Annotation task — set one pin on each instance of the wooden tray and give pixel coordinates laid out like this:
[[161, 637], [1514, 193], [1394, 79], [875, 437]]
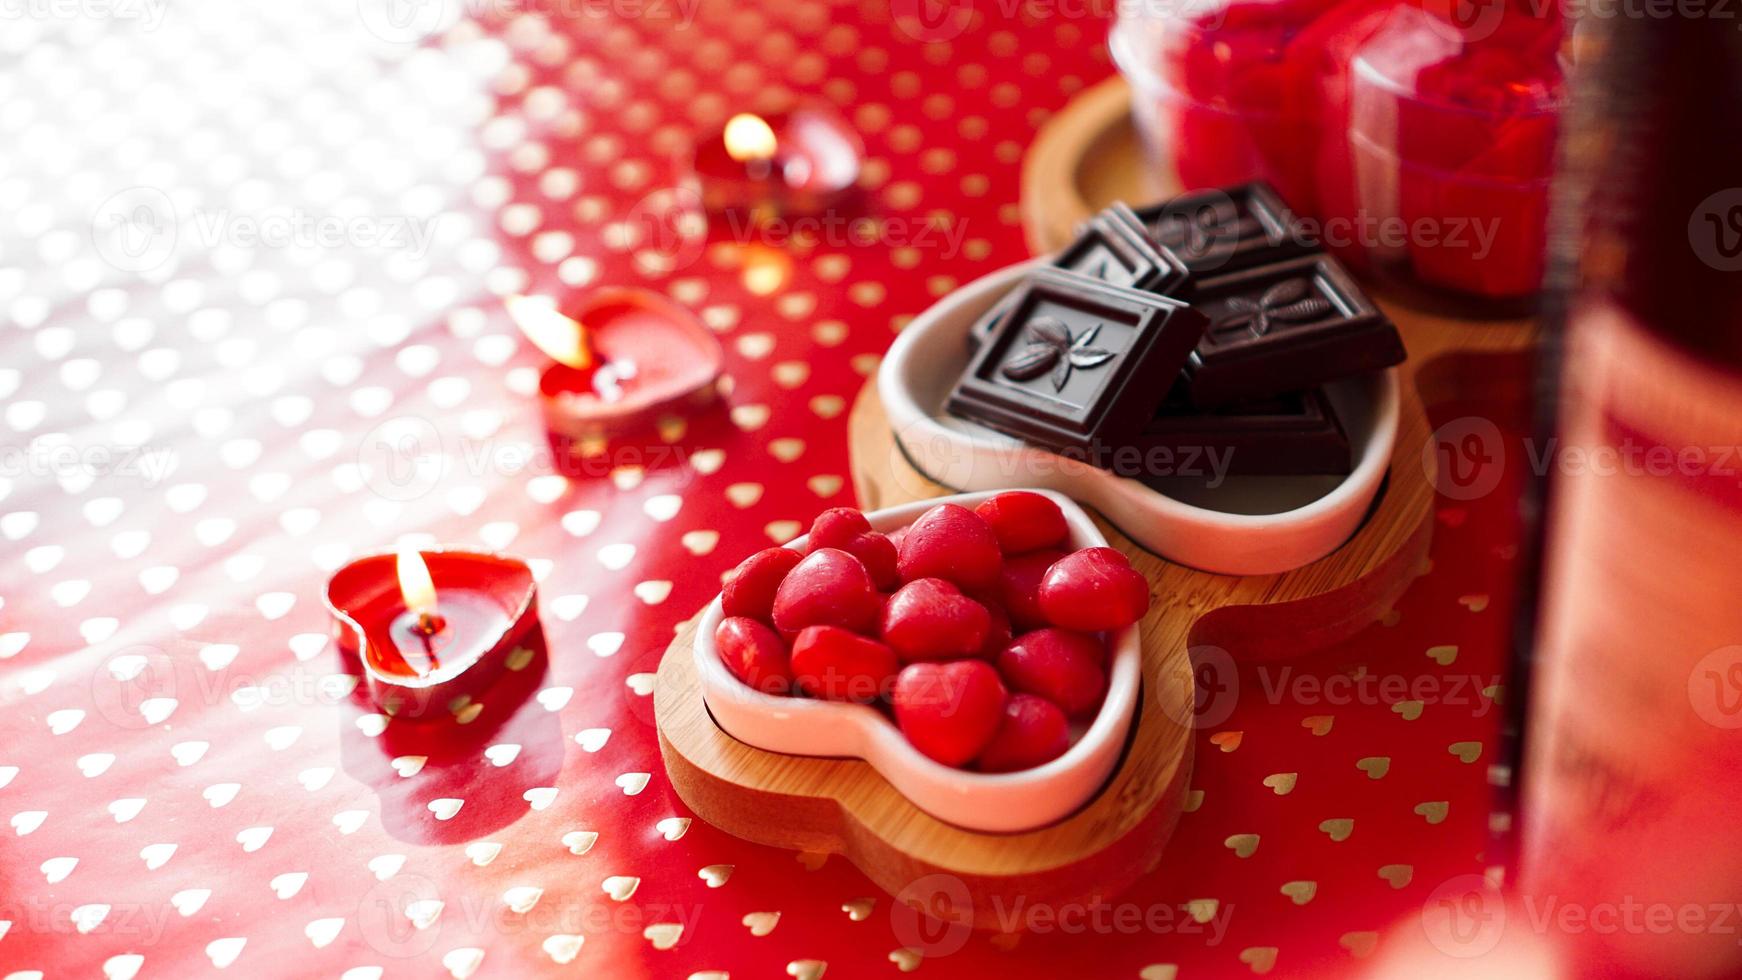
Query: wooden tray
[[1084, 157]]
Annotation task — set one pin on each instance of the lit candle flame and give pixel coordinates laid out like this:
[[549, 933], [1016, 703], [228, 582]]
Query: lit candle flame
[[415, 585], [749, 137], [562, 339]]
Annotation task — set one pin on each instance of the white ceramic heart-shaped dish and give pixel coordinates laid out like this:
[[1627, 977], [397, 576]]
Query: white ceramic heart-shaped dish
[[1245, 526], [1003, 802]]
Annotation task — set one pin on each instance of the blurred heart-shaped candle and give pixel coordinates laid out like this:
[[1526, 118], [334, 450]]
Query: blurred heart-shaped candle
[[628, 360], [430, 627], [796, 161]]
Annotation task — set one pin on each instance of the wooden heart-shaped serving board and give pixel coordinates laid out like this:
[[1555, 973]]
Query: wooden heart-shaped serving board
[[1084, 158]]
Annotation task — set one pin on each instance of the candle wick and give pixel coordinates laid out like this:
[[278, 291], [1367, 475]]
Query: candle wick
[[608, 379], [428, 625]]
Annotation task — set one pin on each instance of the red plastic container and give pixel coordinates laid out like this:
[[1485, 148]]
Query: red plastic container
[[1212, 88], [1451, 137], [1413, 143]]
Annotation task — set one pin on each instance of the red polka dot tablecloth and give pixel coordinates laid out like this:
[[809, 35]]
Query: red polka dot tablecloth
[[252, 263]]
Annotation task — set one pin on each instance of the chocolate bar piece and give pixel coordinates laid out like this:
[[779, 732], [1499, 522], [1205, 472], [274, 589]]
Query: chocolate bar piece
[[1113, 247], [1296, 433], [1222, 230], [988, 322], [1078, 365], [1285, 326]]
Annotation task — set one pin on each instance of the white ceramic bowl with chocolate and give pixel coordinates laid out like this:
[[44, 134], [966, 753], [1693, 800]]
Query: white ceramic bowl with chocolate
[[1237, 525]]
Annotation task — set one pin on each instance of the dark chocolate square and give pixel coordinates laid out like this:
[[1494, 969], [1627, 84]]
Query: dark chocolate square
[[1296, 433], [1077, 364], [988, 322], [1283, 327], [1113, 247], [1221, 230]]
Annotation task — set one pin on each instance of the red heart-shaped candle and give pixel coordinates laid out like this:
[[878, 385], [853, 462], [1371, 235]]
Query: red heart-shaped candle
[[626, 359], [484, 612], [795, 161]]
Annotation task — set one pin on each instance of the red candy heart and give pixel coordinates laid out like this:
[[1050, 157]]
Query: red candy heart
[[836, 528], [754, 654], [832, 663], [949, 711], [877, 553], [848, 530], [953, 543], [896, 536], [1033, 731], [1024, 521], [930, 619], [1019, 587], [828, 588], [998, 636], [1092, 590], [750, 588], [1059, 665]]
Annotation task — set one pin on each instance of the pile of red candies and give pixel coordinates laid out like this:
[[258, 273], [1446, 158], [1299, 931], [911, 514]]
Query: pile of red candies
[[982, 635]]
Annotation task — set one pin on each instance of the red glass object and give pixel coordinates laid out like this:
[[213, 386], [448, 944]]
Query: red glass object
[[1320, 74], [1213, 85], [794, 161], [626, 359], [1451, 135], [1416, 136], [481, 625]]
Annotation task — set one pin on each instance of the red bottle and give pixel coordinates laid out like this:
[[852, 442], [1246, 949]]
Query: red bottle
[[1633, 771]]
